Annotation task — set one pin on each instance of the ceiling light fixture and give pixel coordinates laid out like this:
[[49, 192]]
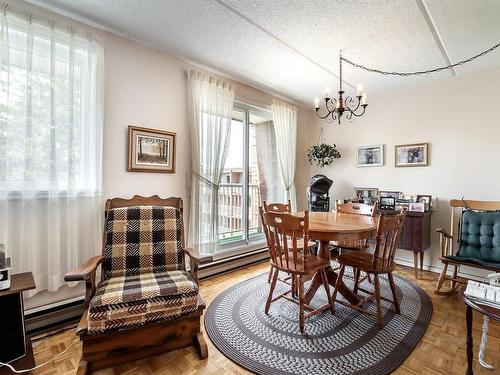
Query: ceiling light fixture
[[335, 108]]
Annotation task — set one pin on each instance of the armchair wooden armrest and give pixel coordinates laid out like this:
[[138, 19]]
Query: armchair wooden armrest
[[444, 233], [195, 260], [445, 242], [86, 272]]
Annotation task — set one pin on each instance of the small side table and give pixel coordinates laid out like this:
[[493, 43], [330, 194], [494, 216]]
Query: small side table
[[15, 346], [490, 312]]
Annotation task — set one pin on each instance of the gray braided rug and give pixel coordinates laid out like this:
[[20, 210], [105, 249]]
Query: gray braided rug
[[347, 343]]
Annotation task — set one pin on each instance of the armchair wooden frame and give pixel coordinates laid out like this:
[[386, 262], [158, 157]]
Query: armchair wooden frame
[[448, 240], [116, 347]]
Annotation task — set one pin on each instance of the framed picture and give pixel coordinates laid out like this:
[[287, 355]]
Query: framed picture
[[370, 156], [151, 150], [390, 194], [426, 200], [365, 193], [413, 155], [417, 207]]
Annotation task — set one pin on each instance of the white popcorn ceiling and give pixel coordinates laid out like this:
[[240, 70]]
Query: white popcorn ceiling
[[291, 46]]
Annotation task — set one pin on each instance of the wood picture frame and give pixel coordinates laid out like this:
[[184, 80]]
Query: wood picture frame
[[426, 200], [151, 150], [411, 155], [370, 156]]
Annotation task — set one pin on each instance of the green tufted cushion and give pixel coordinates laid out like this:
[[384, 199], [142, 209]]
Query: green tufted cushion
[[480, 238]]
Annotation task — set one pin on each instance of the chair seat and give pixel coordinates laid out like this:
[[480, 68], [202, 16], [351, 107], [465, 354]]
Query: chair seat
[[363, 261], [313, 264], [129, 301]]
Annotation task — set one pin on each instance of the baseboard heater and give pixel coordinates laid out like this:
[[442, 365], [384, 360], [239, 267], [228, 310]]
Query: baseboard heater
[[55, 317]]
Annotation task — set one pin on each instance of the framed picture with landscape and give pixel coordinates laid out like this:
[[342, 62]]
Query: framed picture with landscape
[[151, 150], [412, 155]]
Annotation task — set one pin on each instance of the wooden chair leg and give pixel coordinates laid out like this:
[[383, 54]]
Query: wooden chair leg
[[441, 279], [380, 320], [368, 278], [324, 276], [357, 273], [271, 290], [301, 303], [270, 276], [454, 283], [339, 281], [83, 368], [394, 290]]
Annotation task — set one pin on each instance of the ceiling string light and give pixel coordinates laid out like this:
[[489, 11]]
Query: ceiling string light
[[335, 108]]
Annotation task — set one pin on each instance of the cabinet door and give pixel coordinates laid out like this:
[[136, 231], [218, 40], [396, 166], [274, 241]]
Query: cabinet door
[[405, 238]]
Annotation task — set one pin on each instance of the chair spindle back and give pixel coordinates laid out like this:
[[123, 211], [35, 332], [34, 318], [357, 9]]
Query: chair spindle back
[[277, 207], [388, 232], [285, 230]]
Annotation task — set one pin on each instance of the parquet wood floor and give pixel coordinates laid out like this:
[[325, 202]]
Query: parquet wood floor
[[441, 350]]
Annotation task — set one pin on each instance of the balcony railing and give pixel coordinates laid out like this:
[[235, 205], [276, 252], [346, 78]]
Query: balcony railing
[[231, 211]]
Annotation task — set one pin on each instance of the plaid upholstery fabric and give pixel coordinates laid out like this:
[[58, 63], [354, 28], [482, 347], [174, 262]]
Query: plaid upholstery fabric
[[142, 239], [128, 301]]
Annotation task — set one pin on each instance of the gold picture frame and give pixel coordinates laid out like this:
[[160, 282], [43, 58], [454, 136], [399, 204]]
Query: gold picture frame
[[150, 150], [411, 155]]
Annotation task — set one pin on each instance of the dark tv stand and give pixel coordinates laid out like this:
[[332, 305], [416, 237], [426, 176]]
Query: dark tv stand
[[15, 347]]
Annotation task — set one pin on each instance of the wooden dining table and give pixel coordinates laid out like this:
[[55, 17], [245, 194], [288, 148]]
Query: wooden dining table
[[326, 227]]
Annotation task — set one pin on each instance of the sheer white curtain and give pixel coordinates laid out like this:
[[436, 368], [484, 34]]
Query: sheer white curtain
[[271, 189], [210, 106], [285, 130], [51, 103]]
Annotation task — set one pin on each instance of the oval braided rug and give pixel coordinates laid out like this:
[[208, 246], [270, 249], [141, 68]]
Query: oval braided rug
[[347, 343]]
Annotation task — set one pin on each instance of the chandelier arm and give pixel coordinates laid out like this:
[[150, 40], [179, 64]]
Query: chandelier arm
[[362, 113], [357, 106], [332, 100], [325, 116]]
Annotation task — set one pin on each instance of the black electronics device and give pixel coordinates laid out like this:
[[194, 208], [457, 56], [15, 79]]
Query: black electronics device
[[387, 203]]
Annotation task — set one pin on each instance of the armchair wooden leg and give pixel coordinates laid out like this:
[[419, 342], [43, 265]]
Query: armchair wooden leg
[[271, 290], [380, 320], [441, 279], [201, 345], [301, 304], [394, 292], [324, 276]]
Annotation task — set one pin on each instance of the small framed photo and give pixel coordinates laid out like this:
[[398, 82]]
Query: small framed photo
[[387, 203], [151, 150], [426, 200], [413, 155], [365, 193], [370, 156], [390, 194], [417, 207]]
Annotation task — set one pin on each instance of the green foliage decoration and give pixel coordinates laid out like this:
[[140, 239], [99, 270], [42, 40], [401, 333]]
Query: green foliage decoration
[[322, 154]]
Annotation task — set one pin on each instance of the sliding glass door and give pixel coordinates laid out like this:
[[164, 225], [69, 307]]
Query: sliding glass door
[[250, 175]]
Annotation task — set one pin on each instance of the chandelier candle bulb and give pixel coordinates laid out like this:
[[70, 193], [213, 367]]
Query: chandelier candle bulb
[[316, 103], [327, 92], [360, 90], [363, 99]]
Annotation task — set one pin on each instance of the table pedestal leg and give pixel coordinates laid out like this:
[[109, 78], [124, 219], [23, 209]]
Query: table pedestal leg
[[470, 353], [324, 252]]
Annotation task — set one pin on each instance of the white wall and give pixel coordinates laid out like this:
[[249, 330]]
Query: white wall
[[458, 117]]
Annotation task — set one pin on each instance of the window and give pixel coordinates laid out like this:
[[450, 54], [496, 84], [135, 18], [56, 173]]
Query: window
[[249, 177], [50, 146]]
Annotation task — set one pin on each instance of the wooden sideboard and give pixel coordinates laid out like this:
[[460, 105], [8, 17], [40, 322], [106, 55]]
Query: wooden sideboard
[[416, 236]]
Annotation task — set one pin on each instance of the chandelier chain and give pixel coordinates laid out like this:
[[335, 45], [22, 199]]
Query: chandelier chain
[[421, 72]]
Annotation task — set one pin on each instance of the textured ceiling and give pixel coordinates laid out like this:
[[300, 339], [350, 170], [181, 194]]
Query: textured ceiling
[[291, 46]]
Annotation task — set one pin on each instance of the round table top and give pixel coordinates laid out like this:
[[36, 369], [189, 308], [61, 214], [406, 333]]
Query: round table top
[[491, 312], [339, 222]]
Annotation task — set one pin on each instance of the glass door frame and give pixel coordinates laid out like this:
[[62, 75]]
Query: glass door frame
[[245, 244]]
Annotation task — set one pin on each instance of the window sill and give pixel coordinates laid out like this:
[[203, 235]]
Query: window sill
[[239, 250]]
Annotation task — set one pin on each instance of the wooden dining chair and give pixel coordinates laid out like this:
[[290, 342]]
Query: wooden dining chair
[[278, 207], [380, 262], [285, 231], [355, 209]]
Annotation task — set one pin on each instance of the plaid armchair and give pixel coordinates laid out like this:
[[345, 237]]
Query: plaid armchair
[[147, 301]]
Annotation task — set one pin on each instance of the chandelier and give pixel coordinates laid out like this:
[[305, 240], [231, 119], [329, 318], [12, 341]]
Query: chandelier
[[335, 108]]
